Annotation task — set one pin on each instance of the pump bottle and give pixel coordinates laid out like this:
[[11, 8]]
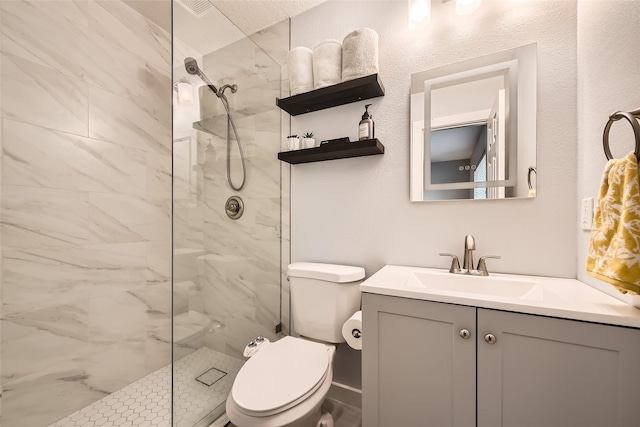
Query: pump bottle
[[366, 125]]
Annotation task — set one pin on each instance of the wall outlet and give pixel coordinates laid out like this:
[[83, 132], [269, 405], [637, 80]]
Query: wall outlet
[[586, 213]]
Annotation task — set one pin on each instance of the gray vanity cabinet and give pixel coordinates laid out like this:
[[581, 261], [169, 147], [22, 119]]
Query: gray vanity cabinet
[[544, 371], [419, 368]]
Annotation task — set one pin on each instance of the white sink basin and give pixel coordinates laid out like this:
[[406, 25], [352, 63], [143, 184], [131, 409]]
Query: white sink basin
[[546, 296], [495, 286]]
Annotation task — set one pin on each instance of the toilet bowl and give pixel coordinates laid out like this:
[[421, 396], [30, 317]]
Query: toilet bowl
[[284, 383]]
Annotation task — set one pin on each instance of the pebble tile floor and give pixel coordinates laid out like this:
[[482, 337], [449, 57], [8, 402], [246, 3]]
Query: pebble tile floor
[[147, 402]]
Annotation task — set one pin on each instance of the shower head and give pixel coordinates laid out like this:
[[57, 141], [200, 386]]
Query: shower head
[[191, 65]]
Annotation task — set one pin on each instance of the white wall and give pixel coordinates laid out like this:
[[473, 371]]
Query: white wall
[[608, 40], [357, 211]]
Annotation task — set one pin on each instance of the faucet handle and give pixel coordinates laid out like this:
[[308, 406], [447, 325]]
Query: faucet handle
[[455, 263], [482, 265]]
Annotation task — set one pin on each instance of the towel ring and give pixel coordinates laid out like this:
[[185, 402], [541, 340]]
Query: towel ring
[[531, 169], [632, 117]]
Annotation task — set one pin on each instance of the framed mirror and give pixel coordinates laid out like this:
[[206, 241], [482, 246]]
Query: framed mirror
[[480, 137]]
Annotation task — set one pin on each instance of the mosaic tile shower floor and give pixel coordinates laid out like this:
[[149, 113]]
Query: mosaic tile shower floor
[[147, 402]]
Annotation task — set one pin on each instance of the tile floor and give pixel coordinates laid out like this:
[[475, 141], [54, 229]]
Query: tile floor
[[202, 380], [147, 402]]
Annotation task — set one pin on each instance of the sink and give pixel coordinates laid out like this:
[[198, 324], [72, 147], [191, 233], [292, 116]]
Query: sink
[[540, 295], [494, 286]]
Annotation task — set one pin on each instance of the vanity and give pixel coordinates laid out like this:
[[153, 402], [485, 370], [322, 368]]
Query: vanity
[[444, 349]]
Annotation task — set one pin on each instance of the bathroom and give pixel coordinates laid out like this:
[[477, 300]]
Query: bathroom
[[97, 200]]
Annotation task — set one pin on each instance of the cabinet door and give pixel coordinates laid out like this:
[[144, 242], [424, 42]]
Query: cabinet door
[[417, 370], [556, 373]]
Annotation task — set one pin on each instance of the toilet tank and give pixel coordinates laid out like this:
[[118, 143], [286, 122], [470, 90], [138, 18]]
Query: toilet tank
[[323, 297]]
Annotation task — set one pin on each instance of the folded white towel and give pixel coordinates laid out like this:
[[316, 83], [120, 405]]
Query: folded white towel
[[327, 63], [359, 54], [300, 66]]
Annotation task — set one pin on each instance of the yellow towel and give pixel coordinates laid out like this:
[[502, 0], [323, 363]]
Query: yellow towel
[[614, 247]]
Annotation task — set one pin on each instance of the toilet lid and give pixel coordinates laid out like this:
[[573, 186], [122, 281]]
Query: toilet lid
[[279, 375]]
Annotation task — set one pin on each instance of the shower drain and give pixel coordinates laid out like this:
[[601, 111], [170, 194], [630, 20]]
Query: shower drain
[[210, 377]]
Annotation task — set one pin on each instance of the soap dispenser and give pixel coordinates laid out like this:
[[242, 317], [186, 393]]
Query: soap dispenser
[[365, 127]]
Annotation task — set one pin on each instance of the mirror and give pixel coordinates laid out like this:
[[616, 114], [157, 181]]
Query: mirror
[[481, 140]]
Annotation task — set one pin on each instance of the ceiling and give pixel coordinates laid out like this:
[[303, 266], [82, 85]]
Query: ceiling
[[455, 143], [221, 25]]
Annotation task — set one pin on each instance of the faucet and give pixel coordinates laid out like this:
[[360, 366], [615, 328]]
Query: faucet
[[469, 247], [467, 262]]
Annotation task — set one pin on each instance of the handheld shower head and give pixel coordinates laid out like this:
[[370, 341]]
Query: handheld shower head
[[191, 65]]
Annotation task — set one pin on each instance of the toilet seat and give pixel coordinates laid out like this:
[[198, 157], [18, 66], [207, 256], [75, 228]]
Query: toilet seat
[[280, 376]]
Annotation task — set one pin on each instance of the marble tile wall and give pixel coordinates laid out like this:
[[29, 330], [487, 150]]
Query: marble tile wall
[[275, 41], [241, 281], [240, 274], [85, 204]]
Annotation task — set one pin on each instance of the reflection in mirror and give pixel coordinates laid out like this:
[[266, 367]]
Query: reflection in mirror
[[482, 134], [459, 154]]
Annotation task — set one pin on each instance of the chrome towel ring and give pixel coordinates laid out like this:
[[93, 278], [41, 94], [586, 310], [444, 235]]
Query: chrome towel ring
[[632, 117]]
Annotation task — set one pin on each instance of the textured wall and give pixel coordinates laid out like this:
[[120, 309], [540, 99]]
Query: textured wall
[[608, 70], [86, 204], [357, 211]]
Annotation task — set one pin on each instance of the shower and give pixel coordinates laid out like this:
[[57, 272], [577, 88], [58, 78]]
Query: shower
[[191, 65]]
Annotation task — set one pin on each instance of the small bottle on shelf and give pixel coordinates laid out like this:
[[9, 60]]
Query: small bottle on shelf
[[366, 125]]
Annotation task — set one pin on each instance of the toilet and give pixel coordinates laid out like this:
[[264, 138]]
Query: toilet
[[285, 382]]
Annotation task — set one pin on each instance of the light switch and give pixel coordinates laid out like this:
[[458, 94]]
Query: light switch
[[586, 216]]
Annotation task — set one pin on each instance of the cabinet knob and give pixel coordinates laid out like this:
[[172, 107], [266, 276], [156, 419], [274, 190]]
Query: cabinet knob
[[465, 334], [490, 338]]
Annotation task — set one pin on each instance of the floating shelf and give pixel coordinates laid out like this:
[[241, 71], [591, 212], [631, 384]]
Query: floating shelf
[[332, 151], [331, 96]]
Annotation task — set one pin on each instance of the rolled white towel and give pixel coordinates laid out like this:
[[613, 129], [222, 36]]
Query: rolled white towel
[[359, 54], [327, 63], [300, 65]]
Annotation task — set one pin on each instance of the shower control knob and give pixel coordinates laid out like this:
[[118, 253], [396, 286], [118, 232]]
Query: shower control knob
[[234, 207]]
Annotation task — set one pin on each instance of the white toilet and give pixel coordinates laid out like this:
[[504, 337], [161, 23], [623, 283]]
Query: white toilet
[[285, 382]]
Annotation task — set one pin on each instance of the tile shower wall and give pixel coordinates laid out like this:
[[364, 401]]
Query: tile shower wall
[[239, 265], [86, 204]]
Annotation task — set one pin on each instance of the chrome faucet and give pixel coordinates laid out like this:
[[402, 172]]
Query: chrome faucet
[[469, 247], [467, 262]]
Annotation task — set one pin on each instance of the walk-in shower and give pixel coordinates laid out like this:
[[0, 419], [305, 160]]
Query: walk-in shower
[[227, 273], [127, 293], [191, 65]]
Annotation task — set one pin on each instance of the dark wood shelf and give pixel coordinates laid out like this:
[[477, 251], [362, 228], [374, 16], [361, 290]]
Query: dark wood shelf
[[332, 151], [331, 96]]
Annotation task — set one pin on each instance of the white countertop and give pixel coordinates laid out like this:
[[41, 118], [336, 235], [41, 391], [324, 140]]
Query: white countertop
[[564, 298]]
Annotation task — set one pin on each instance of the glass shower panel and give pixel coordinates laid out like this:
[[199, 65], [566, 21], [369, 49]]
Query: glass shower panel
[[227, 281]]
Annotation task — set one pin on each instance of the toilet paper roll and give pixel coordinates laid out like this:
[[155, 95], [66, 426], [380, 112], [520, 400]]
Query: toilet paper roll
[[352, 331]]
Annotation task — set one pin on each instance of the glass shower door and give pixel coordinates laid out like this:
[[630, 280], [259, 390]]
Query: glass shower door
[[226, 277]]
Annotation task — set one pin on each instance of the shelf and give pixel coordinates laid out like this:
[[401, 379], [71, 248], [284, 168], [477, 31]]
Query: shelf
[[332, 151], [331, 96]]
